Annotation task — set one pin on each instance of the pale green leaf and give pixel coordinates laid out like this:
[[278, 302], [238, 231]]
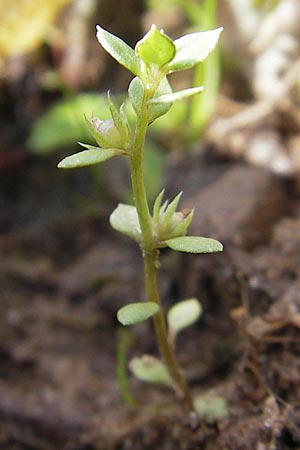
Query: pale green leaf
[[119, 50], [125, 220], [157, 205], [93, 155], [182, 227], [136, 94], [193, 49], [161, 108], [136, 312], [150, 370], [125, 119], [183, 315], [194, 244], [175, 96], [116, 116], [167, 216], [155, 48], [217, 409], [164, 206], [211, 409], [119, 118]]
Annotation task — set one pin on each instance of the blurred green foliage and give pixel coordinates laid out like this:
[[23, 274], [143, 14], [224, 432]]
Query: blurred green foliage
[[268, 4], [64, 124]]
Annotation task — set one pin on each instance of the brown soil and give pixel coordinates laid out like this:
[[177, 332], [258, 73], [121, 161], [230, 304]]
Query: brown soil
[[64, 274]]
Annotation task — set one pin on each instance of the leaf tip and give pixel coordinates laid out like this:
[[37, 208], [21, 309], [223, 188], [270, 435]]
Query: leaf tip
[[99, 31], [60, 165]]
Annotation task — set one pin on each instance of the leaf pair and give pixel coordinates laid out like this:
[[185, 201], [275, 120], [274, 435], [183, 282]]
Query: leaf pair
[[180, 316], [157, 48], [154, 57], [125, 220]]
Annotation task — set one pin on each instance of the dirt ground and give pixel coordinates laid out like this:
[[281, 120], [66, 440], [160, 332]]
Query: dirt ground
[[64, 274]]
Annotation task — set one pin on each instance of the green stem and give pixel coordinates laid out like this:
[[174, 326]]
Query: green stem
[[166, 350], [150, 254]]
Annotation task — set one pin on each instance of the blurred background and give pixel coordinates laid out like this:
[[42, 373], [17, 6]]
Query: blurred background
[[234, 150]]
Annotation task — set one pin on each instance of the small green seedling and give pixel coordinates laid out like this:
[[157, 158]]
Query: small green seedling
[[153, 59]]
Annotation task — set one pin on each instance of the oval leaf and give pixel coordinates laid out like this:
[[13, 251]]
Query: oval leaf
[[136, 94], [136, 312], [170, 98], [195, 244], [155, 48], [193, 49], [125, 220], [150, 370], [93, 155], [211, 409], [183, 314], [161, 108], [119, 50]]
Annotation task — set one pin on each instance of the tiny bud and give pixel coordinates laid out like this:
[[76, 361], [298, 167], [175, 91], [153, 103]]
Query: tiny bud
[[106, 133]]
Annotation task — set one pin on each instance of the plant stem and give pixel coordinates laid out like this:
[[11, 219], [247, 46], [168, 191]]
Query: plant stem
[[166, 350], [150, 255]]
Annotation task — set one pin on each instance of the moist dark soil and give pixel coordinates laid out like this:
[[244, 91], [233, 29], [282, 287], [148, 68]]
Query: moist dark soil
[[64, 273]]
